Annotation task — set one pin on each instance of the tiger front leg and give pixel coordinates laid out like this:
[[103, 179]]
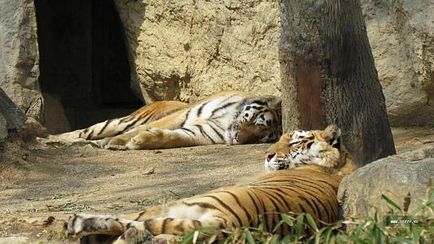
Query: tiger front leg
[[166, 229], [82, 225], [118, 142], [161, 139]]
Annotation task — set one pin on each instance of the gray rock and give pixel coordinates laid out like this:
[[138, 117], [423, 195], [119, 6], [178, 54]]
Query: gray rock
[[394, 176], [19, 59]]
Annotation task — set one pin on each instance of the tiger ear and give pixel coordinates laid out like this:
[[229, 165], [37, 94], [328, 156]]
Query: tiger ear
[[332, 134], [274, 102]]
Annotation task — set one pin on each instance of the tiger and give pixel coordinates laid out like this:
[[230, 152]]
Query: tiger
[[224, 118], [316, 160]]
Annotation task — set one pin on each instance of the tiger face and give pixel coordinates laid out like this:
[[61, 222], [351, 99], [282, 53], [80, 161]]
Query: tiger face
[[259, 120], [315, 147]]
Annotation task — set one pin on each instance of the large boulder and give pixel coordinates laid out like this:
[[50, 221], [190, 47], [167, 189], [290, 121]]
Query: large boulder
[[19, 66], [401, 34], [187, 49], [394, 176]]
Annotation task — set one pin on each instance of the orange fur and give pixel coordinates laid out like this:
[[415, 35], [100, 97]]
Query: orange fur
[[227, 117], [307, 189]]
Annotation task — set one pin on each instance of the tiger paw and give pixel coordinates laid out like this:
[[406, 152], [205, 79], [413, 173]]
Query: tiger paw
[[115, 147], [80, 225], [149, 139], [114, 143], [134, 235]]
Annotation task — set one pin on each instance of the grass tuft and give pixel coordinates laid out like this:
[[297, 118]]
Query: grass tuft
[[397, 226]]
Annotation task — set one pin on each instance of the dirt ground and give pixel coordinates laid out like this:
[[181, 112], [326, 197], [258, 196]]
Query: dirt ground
[[38, 180]]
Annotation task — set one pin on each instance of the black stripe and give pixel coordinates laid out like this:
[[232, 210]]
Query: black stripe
[[240, 223], [140, 215], [256, 107], [202, 205], [259, 102], [199, 110], [125, 119], [313, 206], [148, 113], [293, 143], [256, 207], [262, 207], [88, 137], [316, 199], [248, 216], [107, 122], [324, 192], [83, 133], [216, 131], [216, 124], [133, 124], [295, 179], [186, 118], [74, 220], [221, 108], [276, 207], [203, 132], [165, 222], [188, 130], [315, 182], [285, 204]]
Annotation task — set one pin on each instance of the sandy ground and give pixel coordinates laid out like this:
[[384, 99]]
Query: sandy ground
[[38, 181]]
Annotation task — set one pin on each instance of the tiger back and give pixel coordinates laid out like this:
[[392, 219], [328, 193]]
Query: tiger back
[[305, 188], [228, 117]]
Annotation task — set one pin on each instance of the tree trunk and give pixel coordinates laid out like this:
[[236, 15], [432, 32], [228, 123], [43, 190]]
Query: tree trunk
[[329, 75], [13, 116]]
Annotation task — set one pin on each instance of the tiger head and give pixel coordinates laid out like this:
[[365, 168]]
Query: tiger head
[[259, 120], [315, 147]]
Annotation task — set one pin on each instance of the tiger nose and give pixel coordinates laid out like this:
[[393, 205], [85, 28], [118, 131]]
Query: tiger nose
[[270, 156]]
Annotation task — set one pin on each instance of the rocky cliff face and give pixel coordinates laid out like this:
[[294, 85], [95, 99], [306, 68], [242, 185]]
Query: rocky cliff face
[[401, 34], [188, 49], [19, 68]]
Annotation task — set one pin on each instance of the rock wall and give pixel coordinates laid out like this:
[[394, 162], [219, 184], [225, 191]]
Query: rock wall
[[401, 33], [19, 69], [188, 49]]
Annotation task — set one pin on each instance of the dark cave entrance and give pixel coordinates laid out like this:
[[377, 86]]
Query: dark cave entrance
[[84, 68]]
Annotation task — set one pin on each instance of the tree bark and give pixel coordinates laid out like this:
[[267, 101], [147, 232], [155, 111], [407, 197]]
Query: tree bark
[[329, 75], [13, 116]]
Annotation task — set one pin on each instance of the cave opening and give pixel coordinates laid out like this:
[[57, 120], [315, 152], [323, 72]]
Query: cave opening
[[84, 68]]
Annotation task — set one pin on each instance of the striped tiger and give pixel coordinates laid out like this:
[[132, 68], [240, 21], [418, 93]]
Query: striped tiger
[[227, 117], [309, 187]]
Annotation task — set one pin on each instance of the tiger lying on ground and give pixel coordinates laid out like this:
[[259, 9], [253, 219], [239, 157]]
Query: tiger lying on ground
[[319, 161], [227, 117]]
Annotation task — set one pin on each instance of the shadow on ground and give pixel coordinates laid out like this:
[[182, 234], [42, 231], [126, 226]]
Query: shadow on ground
[[38, 181]]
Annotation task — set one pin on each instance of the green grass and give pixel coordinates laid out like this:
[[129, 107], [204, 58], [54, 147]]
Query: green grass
[[398, 225]]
